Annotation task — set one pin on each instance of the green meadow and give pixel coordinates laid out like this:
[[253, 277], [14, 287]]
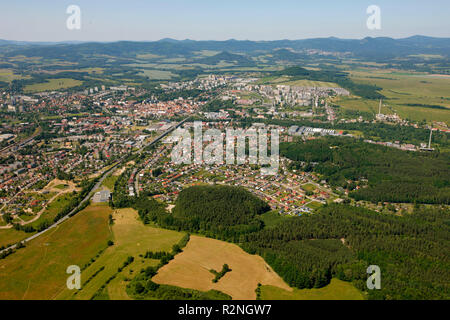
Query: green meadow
[[11, 236], [336, 290], [38, 271], [131, 239], [52, 84], [411, 95]]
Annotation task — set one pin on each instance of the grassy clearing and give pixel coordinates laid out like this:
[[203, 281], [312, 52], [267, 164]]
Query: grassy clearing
[[308, 187], [8, 75], [206, 53], [158, 74], [314, 205], [148, 56], [52, 84], [11, 236], [110, 181], [402, 89], [336, 290], [61, 186], [310, 83], [39, 270], [272, 218], [359, 104], [287, 80], [93, 70], [131, 238], [191, 269]]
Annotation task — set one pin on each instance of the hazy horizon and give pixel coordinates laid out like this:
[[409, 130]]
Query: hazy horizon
[[215, 40], [134, 20]]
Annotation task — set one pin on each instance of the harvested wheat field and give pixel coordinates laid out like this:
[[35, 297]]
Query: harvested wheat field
[[191, 269]]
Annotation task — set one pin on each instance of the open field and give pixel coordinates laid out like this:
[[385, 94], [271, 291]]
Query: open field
[[92, 71], [131, 238], [61, 186], [405, 92], [336, 290], [22, 58], [310, 83], [157, 74], [11, 236], [359, 104], [147, 56], [286, 80], [52, 84], [314, 205], [207, 53], [8, 75], [110, 181], [38, 271], [190, 269], [308, 187]]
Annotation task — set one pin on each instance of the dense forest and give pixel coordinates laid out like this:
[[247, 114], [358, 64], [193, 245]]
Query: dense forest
[[375, 131], [226, 205], [338, 241], [342, 241], [224, 212], [378, 173]]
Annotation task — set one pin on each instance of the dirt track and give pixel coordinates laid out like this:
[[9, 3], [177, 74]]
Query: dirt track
[[190, 269]]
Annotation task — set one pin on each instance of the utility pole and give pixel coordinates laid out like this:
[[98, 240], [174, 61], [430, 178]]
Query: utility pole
[[431, 134]]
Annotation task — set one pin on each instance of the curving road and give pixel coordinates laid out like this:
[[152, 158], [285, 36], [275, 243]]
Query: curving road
[[89, 195], [96, 186]]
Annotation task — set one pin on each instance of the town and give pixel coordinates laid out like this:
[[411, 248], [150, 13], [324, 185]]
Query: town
[[54, 142]]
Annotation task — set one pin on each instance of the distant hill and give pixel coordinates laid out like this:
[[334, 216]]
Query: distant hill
[[126, 60], [286, 54], [226, 57], [365, 48]]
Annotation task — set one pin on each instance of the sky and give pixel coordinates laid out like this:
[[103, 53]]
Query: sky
[[149, 20]]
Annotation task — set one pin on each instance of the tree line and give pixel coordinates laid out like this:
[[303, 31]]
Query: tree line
[[381, 174], [222, 212], [342, 241]]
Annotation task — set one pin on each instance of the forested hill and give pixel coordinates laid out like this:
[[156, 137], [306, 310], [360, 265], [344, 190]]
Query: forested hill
[[210, 206], [342, 241], [393, 175], [379, 48], [224, 212], [338, 241]]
